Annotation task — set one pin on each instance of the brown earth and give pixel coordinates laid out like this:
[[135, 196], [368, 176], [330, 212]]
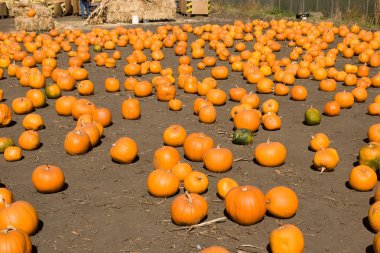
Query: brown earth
[[106, 206]]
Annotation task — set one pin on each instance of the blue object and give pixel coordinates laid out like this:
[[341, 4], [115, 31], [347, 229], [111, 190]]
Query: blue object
[[85, 4]]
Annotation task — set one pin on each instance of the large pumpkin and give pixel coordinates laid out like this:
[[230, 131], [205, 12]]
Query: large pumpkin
[[245, 204], [286, 239], [124, 150], [48, 178], [270, 154], [162, 183], [20, 215], [188, 209], [14, 241], [196, 145]]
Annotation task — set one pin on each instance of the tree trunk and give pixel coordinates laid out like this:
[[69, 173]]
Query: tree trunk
[[377, 12]]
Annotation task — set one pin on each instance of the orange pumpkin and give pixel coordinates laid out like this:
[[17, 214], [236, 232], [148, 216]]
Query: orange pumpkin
[[220, 72], [331, 108], [287, 238], [77, 142], [22, 105], [224, 185], [82, 106], [196, 145], [362, 178], [374, 216], [165, 158], [12, 154], [174, 135], [48, 178], [373, 133], [245, 204], [64, 104], [162, 183], [344, 99], [319, 141], [188, 209], [5, 115], [29, 140], [218, 159], [282, 202], [181, 170], [270, 154], [326, 159], [248, 119], [124, 150], [33, 121], [85, 88], [130, 109], [298, 93], [196, 182], [103, 116]]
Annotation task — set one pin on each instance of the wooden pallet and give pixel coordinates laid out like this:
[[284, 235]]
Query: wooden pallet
[[190, 8]]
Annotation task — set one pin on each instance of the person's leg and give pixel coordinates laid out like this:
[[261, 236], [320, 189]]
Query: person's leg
[[82, 6], [88, 8]]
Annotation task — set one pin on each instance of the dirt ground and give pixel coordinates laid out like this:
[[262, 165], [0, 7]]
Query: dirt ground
[[106, 206]]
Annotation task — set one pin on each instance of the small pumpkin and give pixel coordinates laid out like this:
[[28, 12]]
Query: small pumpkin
[[37, 97], [196, 182], [53, 91], [181, 170], [5, 142], [22, 105], [130, 109], [242, 136], [219, 72], [33, 121], [82, 106], [174, 135], [245, 204], [224, 185], [287, 238], [162, 183], [29, 140], [319, 141], [48, 178], [196, 145], [282, 202], [188, 209], [369, 154], [175, 104], [124, 150], [77, 142], [312, 117], [326, 159], [270, 154], [362, 178], [12, 153], [103, 116], [373, 133], [64, 104], [165, 158]]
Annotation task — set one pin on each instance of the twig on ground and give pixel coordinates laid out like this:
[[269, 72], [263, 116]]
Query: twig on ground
[[206, 223]]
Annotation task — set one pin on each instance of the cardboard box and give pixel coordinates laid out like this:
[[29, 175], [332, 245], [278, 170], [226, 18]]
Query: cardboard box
[[194, 7]]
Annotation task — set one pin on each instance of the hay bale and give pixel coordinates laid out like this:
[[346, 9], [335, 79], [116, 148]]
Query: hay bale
[[42, 21], [121, 11]]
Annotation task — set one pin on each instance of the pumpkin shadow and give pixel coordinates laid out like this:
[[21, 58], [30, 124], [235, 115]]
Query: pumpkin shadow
[[12, 123], [137, 158], [39, 227], [366, 224], [371, 200], [97, 144], [347, 184], [2, 185], [369, 249], [268, 248], [4, 99], [304, 122], [366, 140], [34, 249]]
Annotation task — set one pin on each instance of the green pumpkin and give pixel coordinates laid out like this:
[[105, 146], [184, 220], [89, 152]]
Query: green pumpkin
[[5, 142], [312, 117], [52, 91], [369, 155], [242, 136]]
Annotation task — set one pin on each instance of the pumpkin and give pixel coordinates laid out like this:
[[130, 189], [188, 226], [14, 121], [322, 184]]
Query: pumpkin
[[270, 105], [362, 178], [376, 243], [29, 140], [5, 142], [48, 178], [91, 130], [224, 185], [319, 141], [326, 159], [64, 104], [199, 103], [130, 83], [373, 133], [14, 241], [373, 216], [287, 238], [165, 92], [298, 93], [270, 154], [282, 202], [85, 88], [52, 91], [214, 249], [369, 155], [218, 159], [31, 13], [207, 114], [248, 119], [130, 109], [6, 197], [5, 115], [245, 205], [331, 109], [33, 121], [12, 153], [219, 72], [37, 97], [344, 99], [162, 183], [143, 89], [103, 116], [165, 158], [237, 93], [271, 121], [217, 97], [188, 209], [175, 104], [82, 106], [111, 84], [22, 105], [174, 135], [242, 136], [124, 150], [181, 170], [77, 142], [196, 145], [196, 182], [312, 117], [20, 215]]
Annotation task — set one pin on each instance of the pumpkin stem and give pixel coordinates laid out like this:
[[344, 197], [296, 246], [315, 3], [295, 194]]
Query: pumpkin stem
[[189, 199], [268, 141], [322, 170]]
